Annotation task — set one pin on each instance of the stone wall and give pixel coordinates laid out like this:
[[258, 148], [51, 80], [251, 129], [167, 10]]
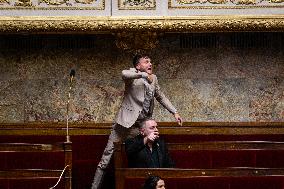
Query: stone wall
[[208, 77]]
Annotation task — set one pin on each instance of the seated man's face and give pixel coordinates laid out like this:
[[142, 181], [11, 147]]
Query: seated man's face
[[160, 184], [150, 127]]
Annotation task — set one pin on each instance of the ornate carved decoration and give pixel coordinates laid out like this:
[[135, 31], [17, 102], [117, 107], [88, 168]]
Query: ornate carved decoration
[[53, 4], [136, 4], [141, 24], [24, 3], [224, 4], [276, 1], [5, 1], [136, 41]]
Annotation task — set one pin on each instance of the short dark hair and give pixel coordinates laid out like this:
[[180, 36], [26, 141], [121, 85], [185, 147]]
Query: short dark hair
[[142, 122], [137, 58], [151, 182]]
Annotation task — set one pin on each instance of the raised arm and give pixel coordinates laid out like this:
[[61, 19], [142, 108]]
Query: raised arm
[[132, 73]]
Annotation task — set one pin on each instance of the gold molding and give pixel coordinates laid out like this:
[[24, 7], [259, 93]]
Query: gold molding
[[62, 6], [136, 7], [215, 6], [72, 24]]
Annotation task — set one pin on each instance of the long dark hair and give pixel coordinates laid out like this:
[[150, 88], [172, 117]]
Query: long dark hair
[[151, 182]]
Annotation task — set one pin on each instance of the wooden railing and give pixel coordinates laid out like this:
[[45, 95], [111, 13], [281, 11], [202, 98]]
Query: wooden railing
[[24, 149], [165, 128], [259, 159]]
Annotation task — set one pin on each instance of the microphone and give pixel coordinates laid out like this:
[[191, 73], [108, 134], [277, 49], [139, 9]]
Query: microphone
[[72, 74]]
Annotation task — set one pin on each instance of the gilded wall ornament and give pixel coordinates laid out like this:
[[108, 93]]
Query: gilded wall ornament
[[85, 1], [136, 4], [276, 1], [187, 2], [53, 4], [73, 24], [226, 4], [24, 3], [245, 2], [3, 2]]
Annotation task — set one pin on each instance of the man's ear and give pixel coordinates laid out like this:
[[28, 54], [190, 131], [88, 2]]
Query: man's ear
[[141, 131], [137, 66]]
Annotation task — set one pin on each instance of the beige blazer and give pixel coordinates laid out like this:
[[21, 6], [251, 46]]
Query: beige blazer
[[134, 96]]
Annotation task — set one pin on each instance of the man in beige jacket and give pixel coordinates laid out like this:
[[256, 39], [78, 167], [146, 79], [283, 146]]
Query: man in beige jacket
[[141, 86]]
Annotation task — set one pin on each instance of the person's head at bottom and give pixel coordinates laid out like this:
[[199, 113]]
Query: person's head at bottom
[[154, 182]]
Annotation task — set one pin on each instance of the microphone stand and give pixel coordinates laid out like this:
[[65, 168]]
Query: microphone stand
[[67, 144], [68, 101]]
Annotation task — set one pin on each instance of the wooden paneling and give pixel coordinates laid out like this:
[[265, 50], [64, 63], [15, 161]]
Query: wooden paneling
[[89, 140], [233, 161], [15, 157], [166, 128]]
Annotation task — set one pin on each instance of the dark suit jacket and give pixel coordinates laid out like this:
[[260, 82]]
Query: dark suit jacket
[[138, 157]]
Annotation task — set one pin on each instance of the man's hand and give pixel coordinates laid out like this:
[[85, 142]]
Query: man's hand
[[151, 137], [150, 78], [147, 76], [178, 119]]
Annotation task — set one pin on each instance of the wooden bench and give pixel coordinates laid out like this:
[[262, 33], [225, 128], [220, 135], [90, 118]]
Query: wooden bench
[[86, 136], [212, 160], [210, 178], [23, 155]]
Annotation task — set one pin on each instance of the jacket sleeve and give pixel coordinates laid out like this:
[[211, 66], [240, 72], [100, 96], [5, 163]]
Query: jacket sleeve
[[132, 74], [162, 99]]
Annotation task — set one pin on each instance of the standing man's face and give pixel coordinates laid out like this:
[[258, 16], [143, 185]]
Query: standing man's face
[[145, 65], [160, 184]]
